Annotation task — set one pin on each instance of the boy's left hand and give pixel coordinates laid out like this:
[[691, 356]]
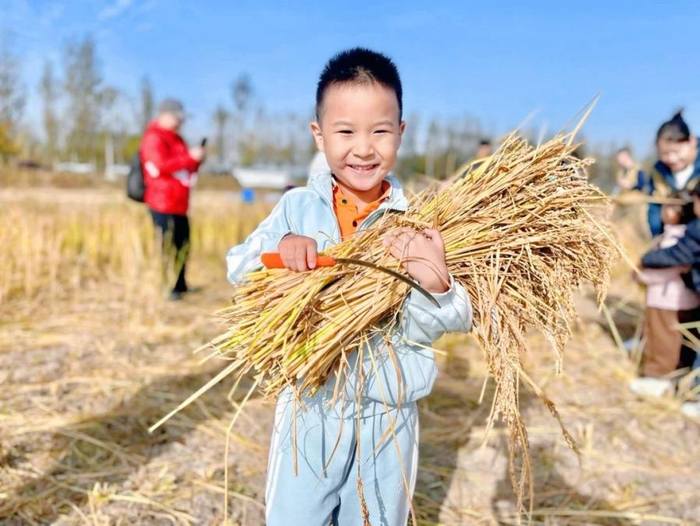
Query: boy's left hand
[[422, 254]]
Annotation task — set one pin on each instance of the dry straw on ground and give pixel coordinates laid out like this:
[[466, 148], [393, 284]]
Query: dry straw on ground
[[521, 235], [58, 242], [82, 377]]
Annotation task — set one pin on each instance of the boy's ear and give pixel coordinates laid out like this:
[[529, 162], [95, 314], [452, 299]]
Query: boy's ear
[[318, 136], [402, 128]]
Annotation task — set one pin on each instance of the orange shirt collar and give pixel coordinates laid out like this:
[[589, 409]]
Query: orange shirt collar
[[347, 213]]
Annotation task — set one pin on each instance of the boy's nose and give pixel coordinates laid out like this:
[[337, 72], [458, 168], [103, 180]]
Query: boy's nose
[[363, 148]]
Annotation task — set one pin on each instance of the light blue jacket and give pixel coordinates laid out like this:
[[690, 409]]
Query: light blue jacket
[[309, 211]]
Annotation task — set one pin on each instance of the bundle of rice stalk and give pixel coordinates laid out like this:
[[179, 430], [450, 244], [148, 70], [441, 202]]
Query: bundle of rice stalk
[[522, 232]]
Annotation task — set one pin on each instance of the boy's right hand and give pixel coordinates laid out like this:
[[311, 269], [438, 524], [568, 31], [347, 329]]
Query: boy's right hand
[[298, 253]]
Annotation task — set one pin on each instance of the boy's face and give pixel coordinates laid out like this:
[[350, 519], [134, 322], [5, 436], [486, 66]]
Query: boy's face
[[359, 132], [696, 205]]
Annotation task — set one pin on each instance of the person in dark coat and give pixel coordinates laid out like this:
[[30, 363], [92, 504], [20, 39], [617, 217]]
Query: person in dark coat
[[678, 167]]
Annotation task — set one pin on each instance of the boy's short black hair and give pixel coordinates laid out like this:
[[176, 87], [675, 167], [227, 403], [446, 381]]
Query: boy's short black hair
[[485, 142], [674, 130], [359, 65], [624, 149]]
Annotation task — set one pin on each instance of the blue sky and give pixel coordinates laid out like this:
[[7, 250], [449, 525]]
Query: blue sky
[[498, 61]]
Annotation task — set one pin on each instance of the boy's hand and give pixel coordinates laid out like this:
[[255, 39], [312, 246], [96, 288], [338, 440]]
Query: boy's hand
[[422, 254], [298, 253]]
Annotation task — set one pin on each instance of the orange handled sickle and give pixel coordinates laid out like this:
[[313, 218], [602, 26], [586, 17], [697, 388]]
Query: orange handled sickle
[[274, 260]]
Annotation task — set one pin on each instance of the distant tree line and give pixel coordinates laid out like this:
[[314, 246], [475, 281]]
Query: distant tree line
[[86, 120]]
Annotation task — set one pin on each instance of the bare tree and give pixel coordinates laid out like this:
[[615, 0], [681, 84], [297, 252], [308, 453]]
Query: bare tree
[[221, 118], [83, 88], [12, 96], [432, 143], [409, 141], [49, 91], [147, 111], [242, 94]]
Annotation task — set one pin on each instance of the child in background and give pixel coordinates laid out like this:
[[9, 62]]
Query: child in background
[[685, 253], [630, 175], [358, 127], [668, 302]]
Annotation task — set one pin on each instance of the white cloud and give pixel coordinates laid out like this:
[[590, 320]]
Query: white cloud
[[147, 6], [14, 14], [114, 9], [52, 13]]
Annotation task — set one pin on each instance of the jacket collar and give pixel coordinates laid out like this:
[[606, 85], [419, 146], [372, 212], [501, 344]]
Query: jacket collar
[[675, 230], [322, 184], [667, 174]]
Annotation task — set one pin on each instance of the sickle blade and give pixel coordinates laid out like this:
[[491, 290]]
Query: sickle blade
[[400, 277]]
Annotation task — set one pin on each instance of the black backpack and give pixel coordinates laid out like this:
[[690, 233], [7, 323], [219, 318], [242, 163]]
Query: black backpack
[[135, 185]]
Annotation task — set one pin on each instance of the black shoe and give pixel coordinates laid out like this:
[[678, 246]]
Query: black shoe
[[176, 295]]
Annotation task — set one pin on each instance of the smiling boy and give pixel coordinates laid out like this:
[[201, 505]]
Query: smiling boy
[[375, 432]]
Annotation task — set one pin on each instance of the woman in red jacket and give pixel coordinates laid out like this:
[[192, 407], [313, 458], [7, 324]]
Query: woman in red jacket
[[169, 170]]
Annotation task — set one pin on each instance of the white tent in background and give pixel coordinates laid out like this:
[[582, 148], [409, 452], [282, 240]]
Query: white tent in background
[[272, 178], [75, 168]]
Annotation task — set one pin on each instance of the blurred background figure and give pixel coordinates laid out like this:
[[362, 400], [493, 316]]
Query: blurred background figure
[[668, 302], [484, 149], [170, 169], [677, 167], [684, 255], [630, 175]]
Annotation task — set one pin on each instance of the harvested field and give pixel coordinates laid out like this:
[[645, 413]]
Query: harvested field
[[91, 356]]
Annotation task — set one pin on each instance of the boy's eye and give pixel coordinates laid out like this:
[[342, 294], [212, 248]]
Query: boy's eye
[[345, 132], [381, 131]]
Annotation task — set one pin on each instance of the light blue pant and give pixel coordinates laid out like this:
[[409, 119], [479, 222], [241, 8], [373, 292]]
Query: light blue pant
[[318, 498]]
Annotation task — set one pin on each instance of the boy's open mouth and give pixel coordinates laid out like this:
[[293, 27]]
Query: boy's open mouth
[[364, 168]]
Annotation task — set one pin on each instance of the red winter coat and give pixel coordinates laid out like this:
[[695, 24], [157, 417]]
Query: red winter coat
[[167, 170]]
